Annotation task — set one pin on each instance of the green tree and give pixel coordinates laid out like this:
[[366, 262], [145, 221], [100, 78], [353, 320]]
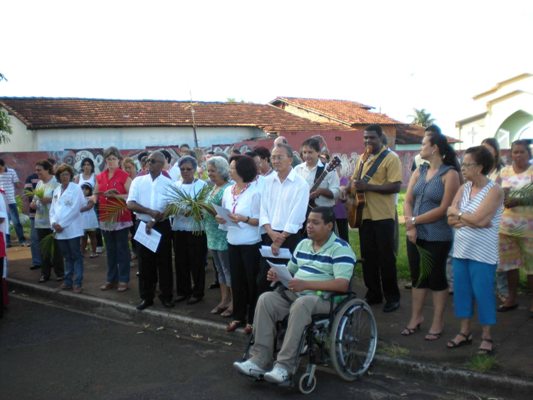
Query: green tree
[[422, 117], [5, 128]]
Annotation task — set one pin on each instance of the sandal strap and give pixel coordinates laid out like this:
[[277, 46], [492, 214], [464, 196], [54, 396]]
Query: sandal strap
[[486, 340], [467, 336]]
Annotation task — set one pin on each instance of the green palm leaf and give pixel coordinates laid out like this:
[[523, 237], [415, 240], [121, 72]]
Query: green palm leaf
[[113, 209], [37, 192], [195, 206], [426, 263], [524, 195], [48, 246]]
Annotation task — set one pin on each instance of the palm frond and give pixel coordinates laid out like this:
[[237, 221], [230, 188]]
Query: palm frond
[[195, 206], [48, 246], [37, 192], [524, 195], [425, 263], [113, 209]]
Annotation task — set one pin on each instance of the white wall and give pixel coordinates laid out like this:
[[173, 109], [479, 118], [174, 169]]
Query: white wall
[[123, 138], [21, 139]]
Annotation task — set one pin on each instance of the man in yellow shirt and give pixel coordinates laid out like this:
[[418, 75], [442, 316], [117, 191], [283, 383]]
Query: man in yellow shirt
[[376, 232]]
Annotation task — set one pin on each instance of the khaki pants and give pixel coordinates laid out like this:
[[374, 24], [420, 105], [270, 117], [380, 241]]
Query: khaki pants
[[273, 307]]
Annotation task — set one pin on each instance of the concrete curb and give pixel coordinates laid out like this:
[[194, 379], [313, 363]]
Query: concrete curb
[[211, 331]]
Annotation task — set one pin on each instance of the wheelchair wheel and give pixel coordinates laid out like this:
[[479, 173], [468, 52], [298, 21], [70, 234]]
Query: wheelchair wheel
[[307, 383], [353, 339]]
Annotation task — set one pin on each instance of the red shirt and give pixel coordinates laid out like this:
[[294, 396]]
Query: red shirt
[[117, 182]]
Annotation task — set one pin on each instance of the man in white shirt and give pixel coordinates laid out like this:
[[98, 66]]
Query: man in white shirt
[[284, 203], [148, 199], [9, 181]]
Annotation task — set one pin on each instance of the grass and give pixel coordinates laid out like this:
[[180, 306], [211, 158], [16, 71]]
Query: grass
[[482, 363], [392, 350]]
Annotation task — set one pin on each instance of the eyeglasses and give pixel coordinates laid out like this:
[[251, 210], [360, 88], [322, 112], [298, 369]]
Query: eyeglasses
[[152, 161], [468, 165], [277, 158]]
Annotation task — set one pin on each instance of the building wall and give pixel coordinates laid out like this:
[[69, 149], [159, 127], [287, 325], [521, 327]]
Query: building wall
[[21, 138], [307, 114]]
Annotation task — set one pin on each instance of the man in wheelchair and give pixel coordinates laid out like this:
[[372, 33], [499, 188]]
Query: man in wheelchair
[[320, 265]]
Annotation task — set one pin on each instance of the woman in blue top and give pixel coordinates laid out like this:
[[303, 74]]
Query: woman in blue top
[[429, 237]]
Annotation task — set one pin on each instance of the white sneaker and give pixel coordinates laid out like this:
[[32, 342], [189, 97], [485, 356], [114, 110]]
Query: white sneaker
[[249, 368], [99, 250], [277, 375]]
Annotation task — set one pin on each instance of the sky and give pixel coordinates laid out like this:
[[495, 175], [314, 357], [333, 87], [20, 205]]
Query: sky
[[394, 55]]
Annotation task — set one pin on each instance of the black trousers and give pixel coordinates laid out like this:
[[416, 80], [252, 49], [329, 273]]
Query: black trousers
[[154, 267], [54, 260], [379, 260], [290, 243], [190, 252], [244, 268]]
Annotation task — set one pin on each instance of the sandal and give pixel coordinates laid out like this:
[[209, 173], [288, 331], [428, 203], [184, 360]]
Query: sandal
[[486, 352], [218, 309], [452, 344], [233, 325], [410, 331], [431, 336], [248, 329], [227, 313]]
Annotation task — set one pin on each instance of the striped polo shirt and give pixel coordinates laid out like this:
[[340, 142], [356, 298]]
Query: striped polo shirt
[[7, 182], [478, 244], [334, 260]]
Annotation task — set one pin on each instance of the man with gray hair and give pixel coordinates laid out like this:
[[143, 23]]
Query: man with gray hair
[[284, 202]]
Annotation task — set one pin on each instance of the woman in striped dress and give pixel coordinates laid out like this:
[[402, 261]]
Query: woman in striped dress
[[475, 215]]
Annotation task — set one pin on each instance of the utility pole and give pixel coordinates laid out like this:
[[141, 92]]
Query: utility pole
[[194, 124]]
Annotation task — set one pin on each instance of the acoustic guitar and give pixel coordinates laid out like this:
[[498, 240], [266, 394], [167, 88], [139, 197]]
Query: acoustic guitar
[[334, 163], [355, 201]]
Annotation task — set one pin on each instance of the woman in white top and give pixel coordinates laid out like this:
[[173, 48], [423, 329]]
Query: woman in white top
[[475, 215], [67, 223], [189, 240], [243, 201], [41, 203]]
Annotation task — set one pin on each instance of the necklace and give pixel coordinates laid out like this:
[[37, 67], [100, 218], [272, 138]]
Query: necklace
[[235, 193]]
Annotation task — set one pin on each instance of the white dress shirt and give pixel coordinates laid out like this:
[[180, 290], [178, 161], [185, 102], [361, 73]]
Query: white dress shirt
[[284, 205], [150, 193], [247, 204], [65, 211], [331, 182]]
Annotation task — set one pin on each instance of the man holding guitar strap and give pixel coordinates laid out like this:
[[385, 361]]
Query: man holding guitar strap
[[381, 180], [323, 181]]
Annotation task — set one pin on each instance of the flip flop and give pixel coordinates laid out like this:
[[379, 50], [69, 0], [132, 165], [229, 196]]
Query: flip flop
[[453, 345], [502, 308]]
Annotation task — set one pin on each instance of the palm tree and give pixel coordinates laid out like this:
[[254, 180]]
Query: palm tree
[[422, 117], [5, 129]]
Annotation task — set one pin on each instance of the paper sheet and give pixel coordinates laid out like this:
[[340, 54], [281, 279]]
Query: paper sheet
[[150, 241], [224, 213], [266, 251], [283, 273]]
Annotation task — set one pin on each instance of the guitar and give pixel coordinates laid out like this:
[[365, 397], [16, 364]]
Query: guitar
[[330, 167], [355, 201]]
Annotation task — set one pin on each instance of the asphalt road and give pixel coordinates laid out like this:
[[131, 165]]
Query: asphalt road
[[53, 353]]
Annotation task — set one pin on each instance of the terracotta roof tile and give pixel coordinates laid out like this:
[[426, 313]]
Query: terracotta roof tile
[[343, 111], [54, 113]]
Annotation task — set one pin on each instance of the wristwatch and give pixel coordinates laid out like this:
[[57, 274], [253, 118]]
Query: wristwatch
[[413, 220]]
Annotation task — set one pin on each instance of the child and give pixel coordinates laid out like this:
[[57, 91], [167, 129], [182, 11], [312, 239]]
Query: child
[[90, 221]]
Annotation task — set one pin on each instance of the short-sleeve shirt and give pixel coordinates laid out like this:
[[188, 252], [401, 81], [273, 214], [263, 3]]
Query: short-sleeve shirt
[[42, 214], [381, 206], [7, 182], [334, 260], [517, 220], [216, 238]]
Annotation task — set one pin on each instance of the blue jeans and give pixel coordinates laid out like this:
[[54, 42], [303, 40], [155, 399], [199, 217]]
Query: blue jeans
[[118, 255], [14, 218], [35, 249], [71, 250]]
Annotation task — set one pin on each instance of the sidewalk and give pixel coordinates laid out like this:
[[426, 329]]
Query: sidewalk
[[512, 375]]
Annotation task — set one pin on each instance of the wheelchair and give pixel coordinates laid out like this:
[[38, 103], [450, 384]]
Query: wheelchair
[[346, 339]]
